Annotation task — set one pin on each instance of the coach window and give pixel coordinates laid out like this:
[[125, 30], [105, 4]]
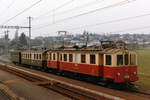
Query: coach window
[[40, 56], [70, 58], [50, 56], [92, 59], [83, 58], [60, 57], [132, 59], [34, 56], [119, 59], [37, 56], [108, 59], [65, 57], [54, 56]]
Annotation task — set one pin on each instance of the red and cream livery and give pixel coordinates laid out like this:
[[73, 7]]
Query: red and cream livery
[[113, 64]]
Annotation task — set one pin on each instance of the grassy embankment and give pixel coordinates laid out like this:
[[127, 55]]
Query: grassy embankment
[[144, 67]]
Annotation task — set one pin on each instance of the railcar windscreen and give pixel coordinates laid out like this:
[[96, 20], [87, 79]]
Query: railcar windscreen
[[108, 59], [119, 60]]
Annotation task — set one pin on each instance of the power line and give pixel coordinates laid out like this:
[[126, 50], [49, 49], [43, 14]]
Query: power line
[[77, 8], [61, 6], [93, 11], [22, 11], [112, 21]]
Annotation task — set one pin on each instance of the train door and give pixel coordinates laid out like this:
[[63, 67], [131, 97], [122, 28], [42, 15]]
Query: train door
[[58, 63], [19, 57], [101, 64]]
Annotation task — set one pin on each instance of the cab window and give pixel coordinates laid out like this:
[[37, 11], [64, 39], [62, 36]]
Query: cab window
[[133, 59], [108, 59], [119, 59]]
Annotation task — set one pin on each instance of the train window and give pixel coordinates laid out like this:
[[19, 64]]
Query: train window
[[60, 57], [133, 59], [108, 59], [76, 58], [50, 56], [119, 59], [83, 58], [126, 56], [92, 59], [40, 56], [54, 56], [65, 57], [34, 56], [70, 58]]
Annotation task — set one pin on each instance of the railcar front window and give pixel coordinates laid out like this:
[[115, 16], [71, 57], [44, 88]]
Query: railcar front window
[[108, 59], [119, 59], [126, 56], [92, 59], [133, 59]]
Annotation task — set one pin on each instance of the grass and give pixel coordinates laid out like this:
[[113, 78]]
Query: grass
[[144, 67]]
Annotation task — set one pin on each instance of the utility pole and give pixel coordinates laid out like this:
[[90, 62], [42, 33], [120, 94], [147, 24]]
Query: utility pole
[[6, 42], [29, 32]]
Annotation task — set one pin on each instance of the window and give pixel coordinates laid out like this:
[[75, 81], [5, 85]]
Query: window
[[70, 58], [60, 57], [50, 56], [119, 59], [40, 56], [126, 56], [65, 57], [37, 57], [108, 59], [83, 59], [54, 56], [34, 56], [76, 58], [92, 59], [133, 59]]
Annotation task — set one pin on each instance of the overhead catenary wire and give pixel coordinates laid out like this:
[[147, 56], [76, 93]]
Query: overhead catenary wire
[[112, 21], [75, 8], [26, 9], [54, 9], [89, 12]]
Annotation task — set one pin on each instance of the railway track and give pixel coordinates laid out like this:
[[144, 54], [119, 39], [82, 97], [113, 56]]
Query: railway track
[[69, 91], [66, 90]]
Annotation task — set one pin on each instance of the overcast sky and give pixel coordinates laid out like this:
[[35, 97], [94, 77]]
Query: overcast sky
[[50, 16]]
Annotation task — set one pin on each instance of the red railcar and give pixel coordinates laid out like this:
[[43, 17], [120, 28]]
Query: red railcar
[[112, 64]]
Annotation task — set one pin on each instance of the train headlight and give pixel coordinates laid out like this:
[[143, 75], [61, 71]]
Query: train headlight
[[134, 73], [118, 74], [126, 76]]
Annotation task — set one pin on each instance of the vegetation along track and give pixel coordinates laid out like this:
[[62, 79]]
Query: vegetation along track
[[63, 89]]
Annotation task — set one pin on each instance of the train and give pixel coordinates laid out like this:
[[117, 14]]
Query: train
[[106, 62]]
